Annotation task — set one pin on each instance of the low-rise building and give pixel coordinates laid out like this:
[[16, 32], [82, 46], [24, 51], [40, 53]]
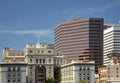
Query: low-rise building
[[43, 63], [78, 70], [109, 73], [13, 72]]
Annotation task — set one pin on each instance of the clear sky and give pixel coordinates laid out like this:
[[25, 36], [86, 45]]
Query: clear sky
[[21, 20]]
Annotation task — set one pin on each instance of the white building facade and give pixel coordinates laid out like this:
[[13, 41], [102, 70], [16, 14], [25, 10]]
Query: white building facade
[[111, 42], [42, 63], [35, 64], [13, 72], [76, 71]]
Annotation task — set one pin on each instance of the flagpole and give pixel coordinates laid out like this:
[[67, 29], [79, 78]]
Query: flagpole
[[38, 37]]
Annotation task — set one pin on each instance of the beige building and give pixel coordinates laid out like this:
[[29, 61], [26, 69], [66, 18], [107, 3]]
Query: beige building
[[110, 73], [42, 62], [78, 70]]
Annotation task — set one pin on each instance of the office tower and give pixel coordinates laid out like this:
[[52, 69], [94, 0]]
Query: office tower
[[111, 42], [81, 39]]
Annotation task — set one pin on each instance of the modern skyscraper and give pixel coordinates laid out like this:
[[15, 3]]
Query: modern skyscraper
[[111, 42], [81, 39]]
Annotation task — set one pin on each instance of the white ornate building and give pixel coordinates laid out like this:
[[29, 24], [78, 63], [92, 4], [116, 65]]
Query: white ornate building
[[34, 64], [40, 62]]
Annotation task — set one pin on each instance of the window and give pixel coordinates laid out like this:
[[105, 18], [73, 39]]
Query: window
[[18, 75], [13, 68], [88, 68], [88, 78], [49, 60], [42, 45], [9, 75], [18, 80], [38, 51], [43, 60], [117, 76], [30, 51], [49, 51], [40, 60], [80, 68], [14, 75], [117, 68], [14, 80], [30, 60], [9, 80], [36, 60], [9, 69], [31, 67], [42, 51], [18, 69]]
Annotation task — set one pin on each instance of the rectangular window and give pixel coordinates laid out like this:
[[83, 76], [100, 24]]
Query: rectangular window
[[49, 51], [18, 69], [43, 60], [42, 51], [36, 60], [9, 80], [9, 69], [39, 60], [30, 51], [30, 60], [14, 69]]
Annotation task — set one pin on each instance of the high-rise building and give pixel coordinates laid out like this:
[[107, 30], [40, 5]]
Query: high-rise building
[[81, 39], [111, 42]]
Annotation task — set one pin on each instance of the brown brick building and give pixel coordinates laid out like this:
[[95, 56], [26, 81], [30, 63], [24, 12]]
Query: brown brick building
[[81, 39]]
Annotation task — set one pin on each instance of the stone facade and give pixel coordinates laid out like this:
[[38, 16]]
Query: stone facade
[[109, 73], [13, 72], [76, 71], [43, 63]]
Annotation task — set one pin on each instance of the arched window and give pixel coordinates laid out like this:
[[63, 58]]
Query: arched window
[[40, 74]]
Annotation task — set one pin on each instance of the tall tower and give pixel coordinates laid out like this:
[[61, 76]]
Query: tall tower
[[81, 39], [111, 42]]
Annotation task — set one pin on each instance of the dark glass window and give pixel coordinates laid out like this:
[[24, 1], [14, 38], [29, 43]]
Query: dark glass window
[[14, 69], [18, 69], [43, 60], [49, 51], [36, 60], [30, 51], [9, 69], [42, 51]]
